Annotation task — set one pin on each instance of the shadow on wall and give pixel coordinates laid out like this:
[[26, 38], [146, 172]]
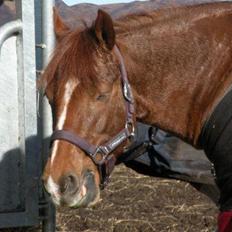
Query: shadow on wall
[[20, 176]]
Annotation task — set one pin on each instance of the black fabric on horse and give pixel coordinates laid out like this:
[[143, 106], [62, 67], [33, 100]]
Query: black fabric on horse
[[216, 139], [157, 153]]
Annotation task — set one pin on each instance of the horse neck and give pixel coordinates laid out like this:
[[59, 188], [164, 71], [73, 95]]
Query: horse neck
[[174, 87]]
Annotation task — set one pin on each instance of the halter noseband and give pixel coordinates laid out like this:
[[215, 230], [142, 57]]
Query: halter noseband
[[101, 155]]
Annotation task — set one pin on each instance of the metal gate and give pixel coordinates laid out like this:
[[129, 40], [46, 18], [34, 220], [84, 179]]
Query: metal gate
[[22, 132]]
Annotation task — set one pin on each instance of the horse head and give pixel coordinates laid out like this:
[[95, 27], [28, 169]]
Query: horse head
[[83, 85]]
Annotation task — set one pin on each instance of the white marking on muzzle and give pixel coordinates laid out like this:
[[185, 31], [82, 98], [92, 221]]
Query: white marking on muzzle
[[53, 189], [69, 89]]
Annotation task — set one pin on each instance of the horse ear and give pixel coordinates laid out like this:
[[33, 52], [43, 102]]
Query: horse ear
[[59, 26], [104, 29]]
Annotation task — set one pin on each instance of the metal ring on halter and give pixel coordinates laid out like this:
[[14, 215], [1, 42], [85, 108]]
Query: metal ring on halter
[[99, 150], [130, 127]]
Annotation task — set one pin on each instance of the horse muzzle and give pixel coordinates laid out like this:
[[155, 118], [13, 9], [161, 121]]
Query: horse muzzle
[[73, 191]]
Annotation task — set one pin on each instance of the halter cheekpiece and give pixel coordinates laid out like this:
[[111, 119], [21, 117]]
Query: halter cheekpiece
[[102, 155]]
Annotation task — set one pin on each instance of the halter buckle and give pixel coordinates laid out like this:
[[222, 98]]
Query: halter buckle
[[127, 92]]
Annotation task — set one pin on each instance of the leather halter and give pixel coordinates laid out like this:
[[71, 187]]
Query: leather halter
[[102, 155]]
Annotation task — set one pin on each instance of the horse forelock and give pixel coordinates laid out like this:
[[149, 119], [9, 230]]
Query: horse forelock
[[73, 57]]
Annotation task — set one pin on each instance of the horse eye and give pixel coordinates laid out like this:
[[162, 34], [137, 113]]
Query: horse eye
[[101, 97]]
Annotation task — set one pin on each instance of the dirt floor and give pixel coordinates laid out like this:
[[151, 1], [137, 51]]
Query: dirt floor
[[137, 203]]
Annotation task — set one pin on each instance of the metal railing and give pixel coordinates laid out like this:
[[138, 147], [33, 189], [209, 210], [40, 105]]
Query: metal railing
[[27, 30]]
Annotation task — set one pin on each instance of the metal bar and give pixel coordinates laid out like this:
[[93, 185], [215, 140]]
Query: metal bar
[[48, 42], [21, 113], [25, 153], [9, 29], [48, 39], [27, 108], [47, 29]]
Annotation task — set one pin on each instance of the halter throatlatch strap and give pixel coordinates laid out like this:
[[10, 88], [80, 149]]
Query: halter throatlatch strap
[[102, 155]]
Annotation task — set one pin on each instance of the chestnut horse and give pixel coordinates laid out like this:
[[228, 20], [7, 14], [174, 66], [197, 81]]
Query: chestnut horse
[[170, 68]]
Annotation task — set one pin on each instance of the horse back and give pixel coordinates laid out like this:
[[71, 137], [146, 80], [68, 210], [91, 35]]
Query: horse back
[[183, 58]]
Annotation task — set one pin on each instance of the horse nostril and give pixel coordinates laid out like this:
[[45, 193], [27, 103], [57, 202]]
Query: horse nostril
[[69, 184]]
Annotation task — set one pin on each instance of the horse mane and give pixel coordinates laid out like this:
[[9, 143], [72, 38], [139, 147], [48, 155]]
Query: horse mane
[[136, 21], [72, 58]]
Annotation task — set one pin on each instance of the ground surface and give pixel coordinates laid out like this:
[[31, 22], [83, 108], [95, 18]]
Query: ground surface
[[134, 203], [137, 203]]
